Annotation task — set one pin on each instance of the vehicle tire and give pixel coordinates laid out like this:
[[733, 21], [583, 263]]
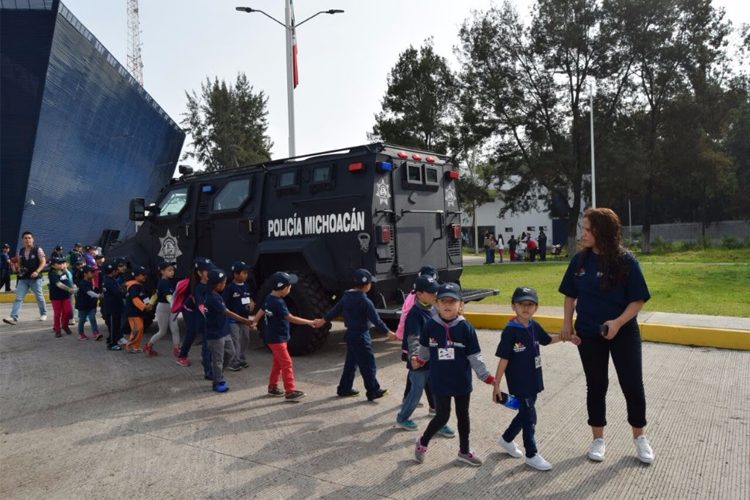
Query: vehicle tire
[[307, 300]]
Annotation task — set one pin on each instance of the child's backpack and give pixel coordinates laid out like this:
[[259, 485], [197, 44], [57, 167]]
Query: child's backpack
[[181, 292]]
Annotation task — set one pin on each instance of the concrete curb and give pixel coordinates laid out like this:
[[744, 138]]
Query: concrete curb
[[670, 334], [10, 297]]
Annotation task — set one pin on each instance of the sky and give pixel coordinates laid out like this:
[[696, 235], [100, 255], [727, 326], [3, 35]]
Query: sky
[[344, 59]]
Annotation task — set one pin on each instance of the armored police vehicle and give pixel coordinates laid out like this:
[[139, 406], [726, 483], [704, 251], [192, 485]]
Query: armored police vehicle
[[385, 208]]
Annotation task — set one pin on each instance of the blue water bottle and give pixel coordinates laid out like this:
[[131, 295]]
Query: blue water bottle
[[508, 400]]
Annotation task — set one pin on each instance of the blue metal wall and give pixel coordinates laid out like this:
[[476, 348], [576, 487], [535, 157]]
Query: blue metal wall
[[100, 140]]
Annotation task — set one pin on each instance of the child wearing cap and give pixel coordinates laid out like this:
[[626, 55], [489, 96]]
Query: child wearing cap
[[237, 298], [425, 291], [217, 338], [192, 314], [358, 311], [5, 268], [113, 305], [450, 344], [276, 335], [137, 304], [61, 287], [86, 300], [521, 362], [164, 318]]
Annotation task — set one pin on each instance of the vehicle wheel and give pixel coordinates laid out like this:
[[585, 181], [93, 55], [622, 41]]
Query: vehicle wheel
[[308, 300]]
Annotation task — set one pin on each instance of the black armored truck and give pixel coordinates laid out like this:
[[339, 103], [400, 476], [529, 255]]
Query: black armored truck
[[382, 207]]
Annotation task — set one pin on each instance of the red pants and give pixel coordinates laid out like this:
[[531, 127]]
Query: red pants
[[282, 366], [62, 311]]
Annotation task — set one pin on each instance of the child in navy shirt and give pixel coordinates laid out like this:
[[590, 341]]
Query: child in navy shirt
[[358, 312], [113, 305], [521, 363], [137, 304], [237, 297], [86, 300], [276, 335], [60, 289], [164, 317], [450, 344]]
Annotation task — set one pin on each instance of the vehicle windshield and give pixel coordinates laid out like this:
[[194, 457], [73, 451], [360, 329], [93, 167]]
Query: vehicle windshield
[[173, 202]]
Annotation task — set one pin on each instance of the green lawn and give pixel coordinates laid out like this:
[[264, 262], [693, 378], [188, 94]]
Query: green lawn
[[713, 281]]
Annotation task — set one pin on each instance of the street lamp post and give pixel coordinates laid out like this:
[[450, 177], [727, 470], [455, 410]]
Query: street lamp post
[[593, 163], [289, 26]]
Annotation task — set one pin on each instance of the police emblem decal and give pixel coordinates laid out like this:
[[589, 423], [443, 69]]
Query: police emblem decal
[[383, 191], [170, 248], [450, 195]]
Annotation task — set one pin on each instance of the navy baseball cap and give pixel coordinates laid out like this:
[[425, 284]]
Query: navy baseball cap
[[119, 261], [216, 275], [202, 263], [59, 248], [363, 276], [164, 264], [5, 245], [139, 270], [428, 271], [240, 266], [58, 260], [426, 284], [77, 245], [109, 268], [449, 290], [282, 280], [88, 269], [77, 261], [524, 293]]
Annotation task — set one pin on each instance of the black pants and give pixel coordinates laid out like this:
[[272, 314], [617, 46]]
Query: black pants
[[524, 421], [114, 325], [625, 349], [5, 280], [443, 413], [427, 391]]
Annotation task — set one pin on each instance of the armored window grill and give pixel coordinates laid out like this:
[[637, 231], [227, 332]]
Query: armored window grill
[[232, 196], [174, 202]]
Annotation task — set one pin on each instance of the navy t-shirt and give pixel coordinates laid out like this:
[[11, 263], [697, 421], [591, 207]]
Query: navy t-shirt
[[234, 293], [55, 277], [359, 312], [83, 301], [450, 377], [416, 318], [277, 328], [163, 289], [520, 346], [113, 295], [135, 291], [594, 305], [216, 320]]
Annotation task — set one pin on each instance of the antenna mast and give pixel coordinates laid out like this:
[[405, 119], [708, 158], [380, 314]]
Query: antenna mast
[[135, 63]]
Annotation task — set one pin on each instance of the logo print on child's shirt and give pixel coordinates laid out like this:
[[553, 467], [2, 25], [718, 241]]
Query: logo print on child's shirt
[[519, 347]]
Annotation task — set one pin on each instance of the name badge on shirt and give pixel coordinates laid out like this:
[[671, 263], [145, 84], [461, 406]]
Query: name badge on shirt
[[245, 300], [537, 361], [446, 354]]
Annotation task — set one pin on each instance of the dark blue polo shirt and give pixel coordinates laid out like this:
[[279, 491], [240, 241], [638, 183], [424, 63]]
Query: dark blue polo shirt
[[277, 328], [83, 301], [358, 311], [216, 320], [113, 296], [233, 295], [164, 288], [594, 305], [450, 377], [135, 290], [416, 318], [55, 277], [520, 346]]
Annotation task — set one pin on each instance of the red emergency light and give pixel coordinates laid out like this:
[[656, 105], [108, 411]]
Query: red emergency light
[[451, 175], [416, 157], [456, 231], [402, 155], [429, 159], [356, 167], [384, 234]]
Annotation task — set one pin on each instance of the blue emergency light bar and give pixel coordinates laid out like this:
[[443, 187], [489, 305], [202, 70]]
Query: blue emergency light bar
[[384, 166]]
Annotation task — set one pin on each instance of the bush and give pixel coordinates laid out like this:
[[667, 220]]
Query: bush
[[730, 242]]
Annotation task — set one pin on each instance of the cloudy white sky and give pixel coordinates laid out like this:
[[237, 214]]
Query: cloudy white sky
[[344, 59]]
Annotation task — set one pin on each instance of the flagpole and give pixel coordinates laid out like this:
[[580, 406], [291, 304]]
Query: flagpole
[[290, 75]]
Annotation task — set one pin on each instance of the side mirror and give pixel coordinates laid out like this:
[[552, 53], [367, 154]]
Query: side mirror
[[137, 209]]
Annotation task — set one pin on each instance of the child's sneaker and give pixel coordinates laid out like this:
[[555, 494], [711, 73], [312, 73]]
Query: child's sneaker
[[98, 336], [407, 425], [419, 451], [447, 431], [275, 391], [469, 459], [82, 336], [244, 364], [596, 450], [67, 330], [183, 361], [148, 350], [350, 394], [176, 351], [43, 317], [234, 368], [643, 448], [221, 387], [538, 462], [122, 341], [511, 448], [377, 394], [115, 348], [294, 395], [58, 334]]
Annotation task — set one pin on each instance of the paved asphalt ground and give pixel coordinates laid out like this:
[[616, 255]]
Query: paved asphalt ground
[[77, 421]]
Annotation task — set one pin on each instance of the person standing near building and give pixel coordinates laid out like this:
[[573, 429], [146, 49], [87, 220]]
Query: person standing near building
[[488, 248], [5, 269], [542, 240], [500, 247], [512, 244], [31, 260]]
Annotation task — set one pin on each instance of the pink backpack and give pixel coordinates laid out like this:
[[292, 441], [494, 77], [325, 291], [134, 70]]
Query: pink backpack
[[181, 293]]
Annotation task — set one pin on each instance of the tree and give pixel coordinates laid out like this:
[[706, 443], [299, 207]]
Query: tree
[[227, 124], [418, 102]]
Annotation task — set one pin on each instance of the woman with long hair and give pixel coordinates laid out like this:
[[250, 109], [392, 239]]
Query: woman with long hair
[[605, 286]]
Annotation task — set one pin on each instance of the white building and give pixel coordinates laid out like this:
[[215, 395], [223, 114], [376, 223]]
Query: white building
[[487, 220]]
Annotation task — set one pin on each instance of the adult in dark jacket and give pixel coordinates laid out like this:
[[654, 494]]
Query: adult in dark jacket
[[31, 260]]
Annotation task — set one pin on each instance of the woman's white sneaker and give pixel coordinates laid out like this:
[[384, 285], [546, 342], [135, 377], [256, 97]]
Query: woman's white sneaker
[[596, 450], [643, 449], [511, 448], [538, 462]]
